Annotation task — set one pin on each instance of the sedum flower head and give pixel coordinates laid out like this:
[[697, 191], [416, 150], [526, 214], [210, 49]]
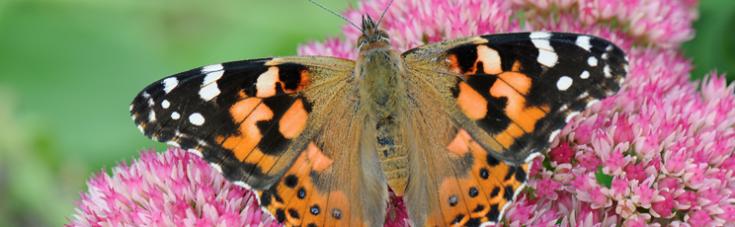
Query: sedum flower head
[[174, 188]]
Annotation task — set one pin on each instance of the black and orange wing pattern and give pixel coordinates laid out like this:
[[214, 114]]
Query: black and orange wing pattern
[[269, 125], [510, 96]]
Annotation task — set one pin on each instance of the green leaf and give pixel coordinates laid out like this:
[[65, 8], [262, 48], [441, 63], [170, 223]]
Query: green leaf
[[602, 178], [547, 164]]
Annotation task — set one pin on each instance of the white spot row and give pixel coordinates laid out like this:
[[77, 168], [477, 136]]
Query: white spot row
[[165, 104], [546, 54]]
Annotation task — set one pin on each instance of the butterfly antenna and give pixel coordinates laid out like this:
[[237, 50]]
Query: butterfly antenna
[[336, 14], [383, 14]]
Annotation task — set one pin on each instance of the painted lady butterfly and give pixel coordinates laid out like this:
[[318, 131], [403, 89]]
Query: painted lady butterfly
[[447, 126]]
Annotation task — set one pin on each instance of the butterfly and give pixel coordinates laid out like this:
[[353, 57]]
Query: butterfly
[[447, 126]]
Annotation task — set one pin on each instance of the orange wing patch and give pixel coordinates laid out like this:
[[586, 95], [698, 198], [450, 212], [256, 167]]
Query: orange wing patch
[[296, 201], [514, 86], [478, 196], [472, 104], [247, 112], [293, 122]]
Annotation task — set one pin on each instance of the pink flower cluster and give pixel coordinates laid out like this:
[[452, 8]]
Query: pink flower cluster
[[666, 23], [659, 153], [174, 188]]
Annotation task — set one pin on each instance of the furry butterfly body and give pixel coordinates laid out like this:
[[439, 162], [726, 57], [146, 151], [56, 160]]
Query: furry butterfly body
[[447, 126]]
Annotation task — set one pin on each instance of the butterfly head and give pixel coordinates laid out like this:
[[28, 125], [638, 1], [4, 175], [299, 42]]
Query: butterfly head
[[372, 36]]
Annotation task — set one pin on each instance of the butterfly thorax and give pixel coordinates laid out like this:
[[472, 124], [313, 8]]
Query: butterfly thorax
[[382, 94]]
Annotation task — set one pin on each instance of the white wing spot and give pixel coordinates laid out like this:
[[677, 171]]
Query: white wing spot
[[165, 104], [175, 115], [609, 48], [592, 61], [553, 135], [151, 116], [242, 184], [265, 85], [169, 84], [210, 88], [584, 42], [563, 108], [216, 167], [196, 119], [570, 116], [546, 54], [593, 102], [490, 59], [604, 56], [195, 152], [584, 75], [564, 83], [584, 95], [606, 70], [212, 68]]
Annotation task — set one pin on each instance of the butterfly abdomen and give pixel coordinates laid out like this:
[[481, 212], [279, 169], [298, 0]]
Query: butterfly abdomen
[[382, 96]]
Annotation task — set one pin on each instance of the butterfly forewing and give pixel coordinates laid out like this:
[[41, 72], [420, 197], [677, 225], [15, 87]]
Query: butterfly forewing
[[245, 117], [507, 96]]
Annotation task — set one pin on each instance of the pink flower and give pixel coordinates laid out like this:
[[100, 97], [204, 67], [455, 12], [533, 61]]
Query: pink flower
[[665, 207], [699, 218], [637, 221], [562, 154], [174, 188], [547, 188], [643, 196], [635, 172], [619, 187]]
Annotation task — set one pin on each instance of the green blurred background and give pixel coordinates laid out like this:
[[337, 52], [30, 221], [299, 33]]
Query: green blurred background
[[71, 67]]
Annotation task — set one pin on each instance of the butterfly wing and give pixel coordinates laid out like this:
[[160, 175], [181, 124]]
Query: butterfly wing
[[503, 98], [269, 124], [517, 89]]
